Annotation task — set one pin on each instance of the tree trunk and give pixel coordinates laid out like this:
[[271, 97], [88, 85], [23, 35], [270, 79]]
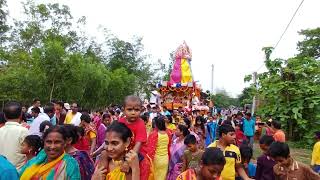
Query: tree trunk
[[51, 92]]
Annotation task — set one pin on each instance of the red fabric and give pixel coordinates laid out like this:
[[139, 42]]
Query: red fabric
[[240, 137], [144, 166], [153, 141], [139, 132], [82, 144]]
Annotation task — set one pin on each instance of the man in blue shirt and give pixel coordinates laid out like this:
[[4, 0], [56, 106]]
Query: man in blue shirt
[[249, 128], [7, 170]]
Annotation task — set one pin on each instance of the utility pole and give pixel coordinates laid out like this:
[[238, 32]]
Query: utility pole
[[212, 70], [254, 97]]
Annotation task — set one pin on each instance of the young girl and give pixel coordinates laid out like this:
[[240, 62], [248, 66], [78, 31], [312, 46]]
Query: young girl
[[90, 131], [85, 163], [212, 163], [31, 145], [118, 139], [199, 129]]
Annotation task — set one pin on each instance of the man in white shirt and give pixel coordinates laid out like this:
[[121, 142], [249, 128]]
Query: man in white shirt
[[36, 103], [73, 116], [46, 116], [12, 135]]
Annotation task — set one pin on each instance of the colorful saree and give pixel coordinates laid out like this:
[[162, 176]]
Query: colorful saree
[[64, 167], [86, 165], [175, 164], [101, 129], [101, 134]]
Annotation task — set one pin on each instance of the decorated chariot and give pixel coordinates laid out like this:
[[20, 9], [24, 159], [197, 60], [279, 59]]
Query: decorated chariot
[[181, 91]]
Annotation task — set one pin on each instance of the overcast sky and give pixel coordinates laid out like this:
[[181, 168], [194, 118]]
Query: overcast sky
[[227, 33]]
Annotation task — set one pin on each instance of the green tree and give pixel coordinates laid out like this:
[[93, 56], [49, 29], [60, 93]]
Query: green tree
[[310, 46], [290, 91], [246, 96], [3, 21], [121, 84], [49, 57], [130, 56], [223, 100]]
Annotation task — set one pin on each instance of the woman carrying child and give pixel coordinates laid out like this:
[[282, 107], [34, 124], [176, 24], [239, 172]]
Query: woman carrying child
[[118, 139]]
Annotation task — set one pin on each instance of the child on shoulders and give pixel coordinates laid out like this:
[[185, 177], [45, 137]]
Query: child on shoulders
[[132, 111]]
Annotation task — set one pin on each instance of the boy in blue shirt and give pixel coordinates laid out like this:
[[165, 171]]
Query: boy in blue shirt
[[249, 128]]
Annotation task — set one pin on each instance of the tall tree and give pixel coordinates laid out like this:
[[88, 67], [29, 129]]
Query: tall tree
[[49, 57], [246, 96], [3, 21], [290, 89], [310, 46], [223, 100], [130, 56]]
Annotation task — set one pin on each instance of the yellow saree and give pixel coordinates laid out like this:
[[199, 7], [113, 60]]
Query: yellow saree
[[116, 174], [38, 171]]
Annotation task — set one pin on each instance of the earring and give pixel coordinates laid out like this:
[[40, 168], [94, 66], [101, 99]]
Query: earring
[[29, 151], [126, 149]]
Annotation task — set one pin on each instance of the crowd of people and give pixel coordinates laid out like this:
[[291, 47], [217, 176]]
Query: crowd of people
[[143, 142]]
